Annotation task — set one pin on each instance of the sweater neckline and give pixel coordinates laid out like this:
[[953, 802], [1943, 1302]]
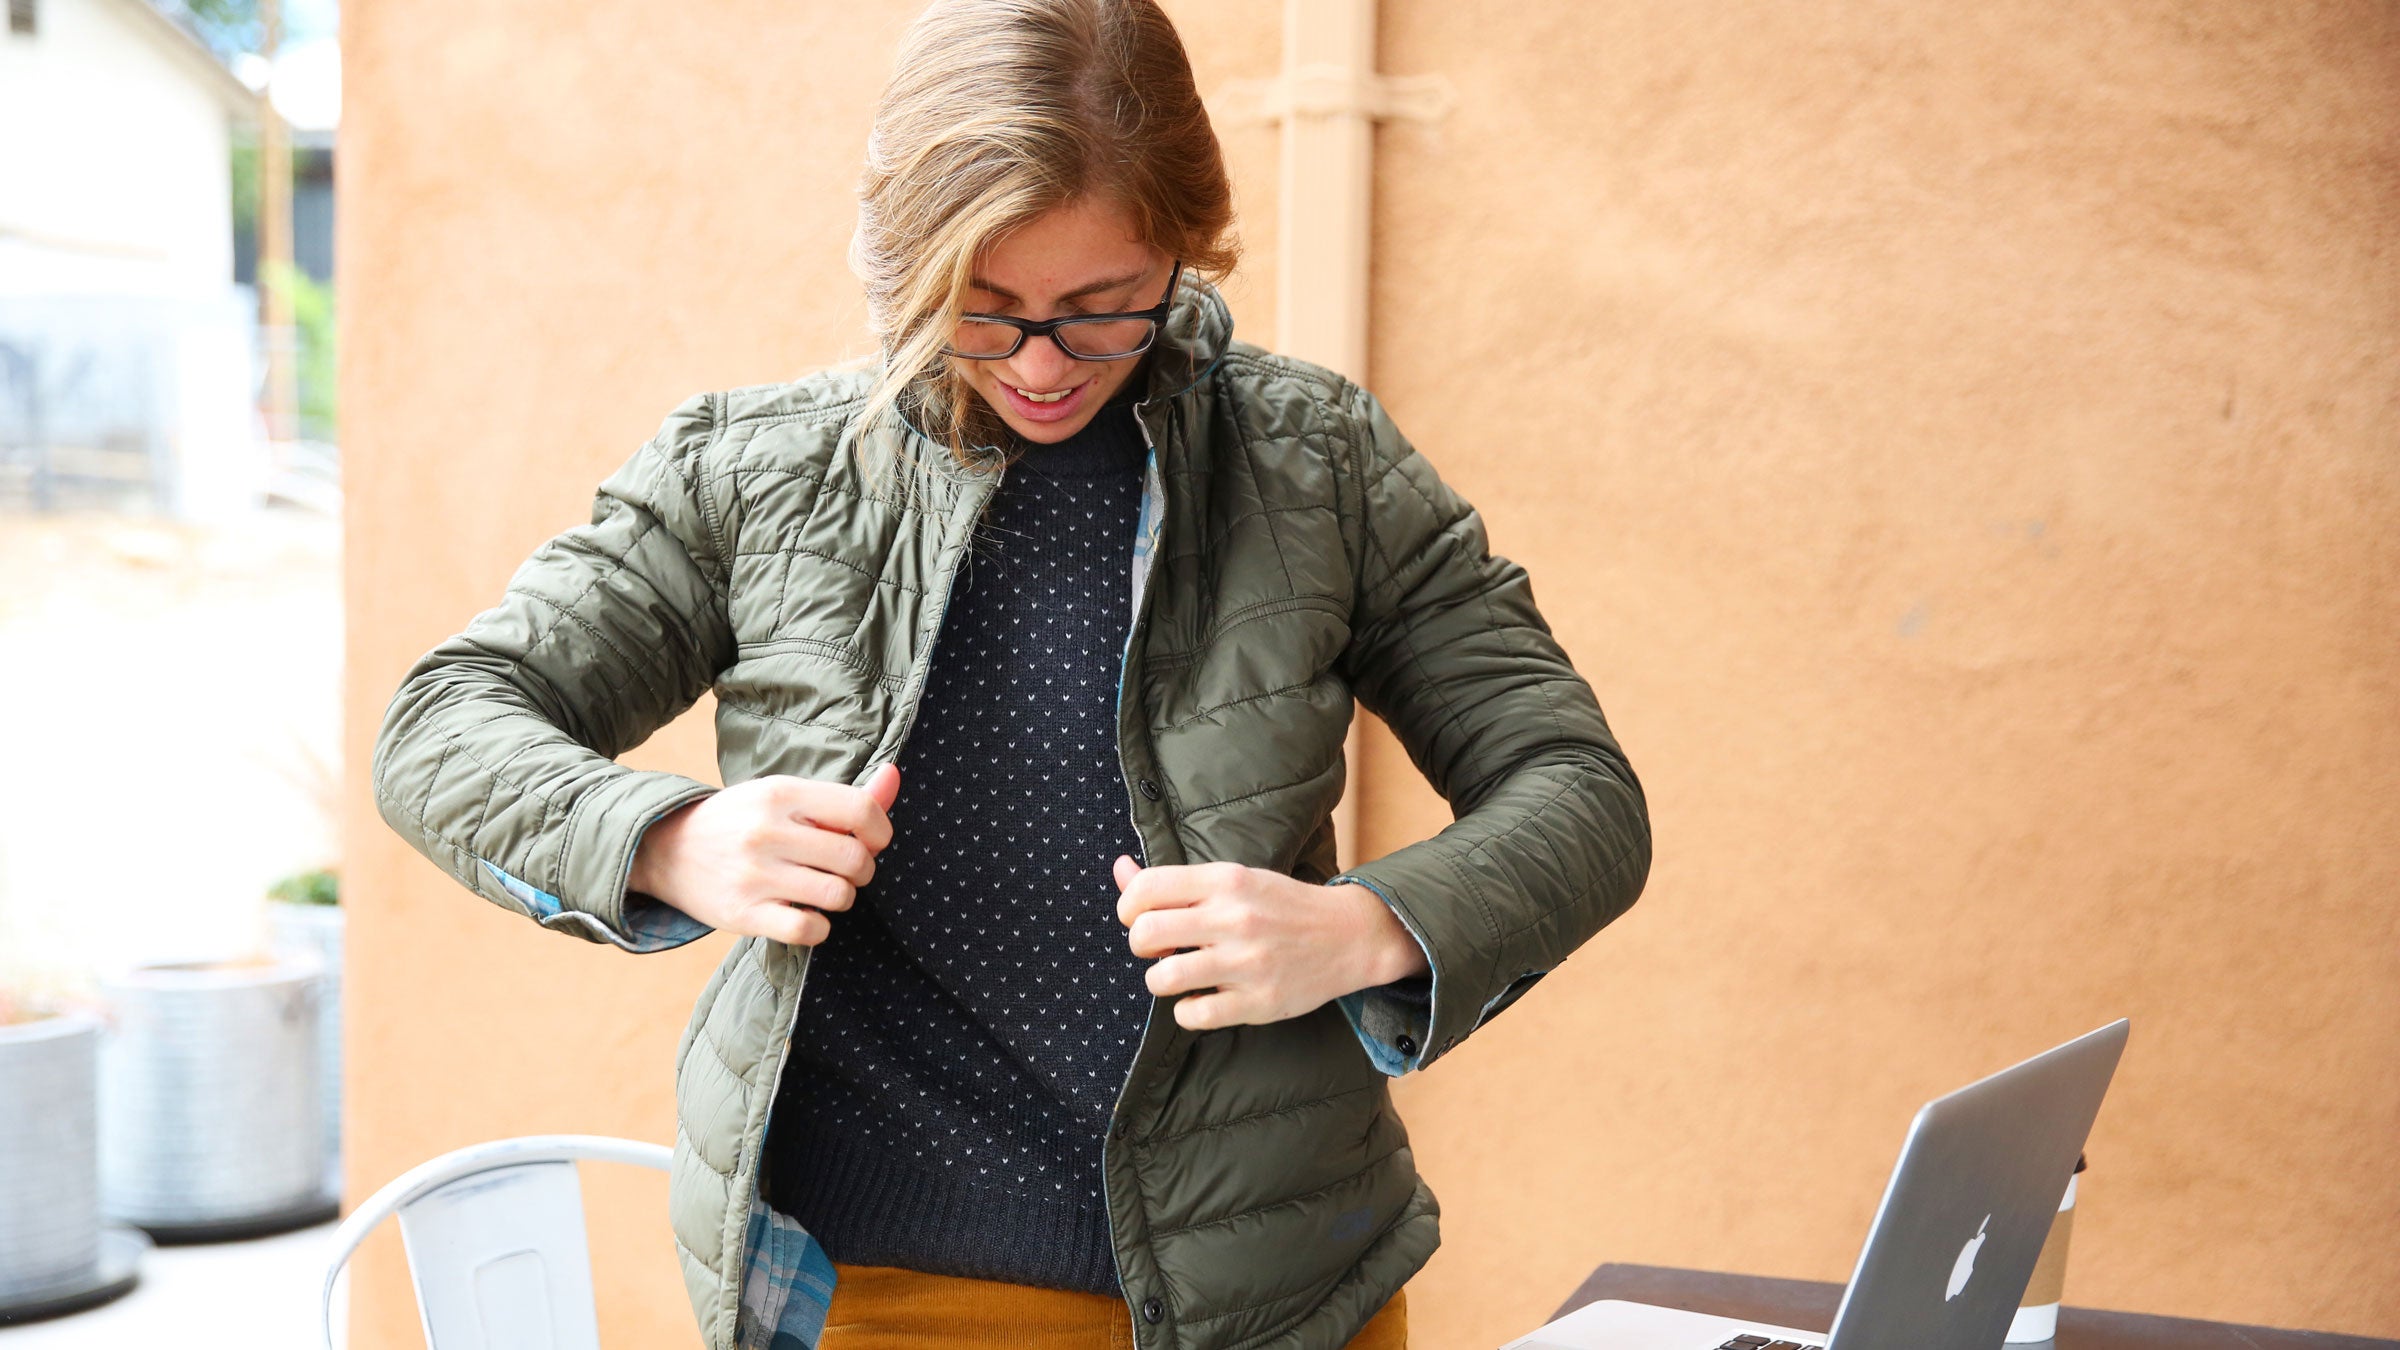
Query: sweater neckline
[[1109, 445]]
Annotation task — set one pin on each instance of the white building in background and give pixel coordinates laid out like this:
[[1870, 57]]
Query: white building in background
[[127, 353]]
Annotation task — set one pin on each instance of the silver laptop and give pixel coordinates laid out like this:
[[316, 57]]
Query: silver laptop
[[1954, 1241]]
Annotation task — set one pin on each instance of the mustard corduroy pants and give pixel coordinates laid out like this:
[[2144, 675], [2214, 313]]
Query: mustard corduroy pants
[[885, 1308]]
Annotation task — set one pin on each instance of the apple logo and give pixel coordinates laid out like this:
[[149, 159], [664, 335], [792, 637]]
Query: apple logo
[[1964, 1269]]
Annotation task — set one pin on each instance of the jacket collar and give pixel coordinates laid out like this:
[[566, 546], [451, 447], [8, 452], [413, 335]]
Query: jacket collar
[[1199, 329]]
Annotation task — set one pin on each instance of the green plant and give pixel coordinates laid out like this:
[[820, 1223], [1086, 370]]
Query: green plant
[[243, 161], [312, 315], [319, 887]]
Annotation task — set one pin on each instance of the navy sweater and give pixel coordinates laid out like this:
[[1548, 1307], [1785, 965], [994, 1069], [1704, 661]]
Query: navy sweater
[[966, 1026]]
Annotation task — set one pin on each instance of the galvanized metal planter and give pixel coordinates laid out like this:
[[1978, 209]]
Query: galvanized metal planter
[[49, 1174], [210, 1110], [318, 929]]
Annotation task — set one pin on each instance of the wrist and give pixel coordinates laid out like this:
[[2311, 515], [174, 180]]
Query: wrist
[[651, 855], [642, 876], [1405, 956], [1390, 951]]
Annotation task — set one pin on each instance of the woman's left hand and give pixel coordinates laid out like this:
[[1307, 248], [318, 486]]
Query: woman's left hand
[[1263, 945]]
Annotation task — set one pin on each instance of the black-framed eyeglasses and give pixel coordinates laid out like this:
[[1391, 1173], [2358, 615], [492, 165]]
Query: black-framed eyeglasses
[[1086, 337]]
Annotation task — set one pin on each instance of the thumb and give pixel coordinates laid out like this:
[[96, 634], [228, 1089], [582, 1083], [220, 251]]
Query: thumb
[[1125, 869], [884, 785]]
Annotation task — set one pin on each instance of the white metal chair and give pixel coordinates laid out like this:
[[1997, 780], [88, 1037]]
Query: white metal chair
[[495, 1241]]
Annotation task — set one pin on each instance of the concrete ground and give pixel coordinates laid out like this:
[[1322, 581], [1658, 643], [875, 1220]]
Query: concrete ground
[[170, 701], [258, 1295]]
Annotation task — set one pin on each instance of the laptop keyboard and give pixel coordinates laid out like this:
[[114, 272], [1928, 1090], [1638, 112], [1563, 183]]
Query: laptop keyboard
[[1762, 1343]]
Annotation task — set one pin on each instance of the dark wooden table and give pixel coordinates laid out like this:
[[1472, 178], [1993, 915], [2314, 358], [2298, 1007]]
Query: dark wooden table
[[1809, 1305]]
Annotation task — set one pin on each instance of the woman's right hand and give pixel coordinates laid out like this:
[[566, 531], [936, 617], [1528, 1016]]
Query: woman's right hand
[[771, 856]]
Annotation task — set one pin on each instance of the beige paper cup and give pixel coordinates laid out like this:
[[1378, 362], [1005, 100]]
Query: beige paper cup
[[2037, 1312]]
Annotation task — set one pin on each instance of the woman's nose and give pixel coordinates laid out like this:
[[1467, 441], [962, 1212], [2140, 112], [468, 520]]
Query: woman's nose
[[1041, 365]]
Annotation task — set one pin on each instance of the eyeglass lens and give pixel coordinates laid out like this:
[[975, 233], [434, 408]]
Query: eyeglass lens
[[1096, 341]]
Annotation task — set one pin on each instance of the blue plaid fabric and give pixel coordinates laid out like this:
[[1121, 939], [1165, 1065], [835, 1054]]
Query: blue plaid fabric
[[649, 925], [541, 903], [655, 925], [1146, 528], [787, 1284]]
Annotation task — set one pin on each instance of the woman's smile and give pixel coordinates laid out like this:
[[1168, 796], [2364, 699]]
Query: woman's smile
[[1056, 405]]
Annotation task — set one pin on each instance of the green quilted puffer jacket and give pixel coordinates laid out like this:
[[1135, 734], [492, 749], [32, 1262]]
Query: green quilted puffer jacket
[[1294, 553]]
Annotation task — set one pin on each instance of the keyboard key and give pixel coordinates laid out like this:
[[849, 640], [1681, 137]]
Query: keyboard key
[[1781, 1345], [1744, 1343]]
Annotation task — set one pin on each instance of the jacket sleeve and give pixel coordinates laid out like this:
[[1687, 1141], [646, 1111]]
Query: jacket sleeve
[[496, 758], [1551, 835]]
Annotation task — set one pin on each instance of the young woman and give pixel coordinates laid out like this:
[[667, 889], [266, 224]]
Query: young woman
[[1033, 648]]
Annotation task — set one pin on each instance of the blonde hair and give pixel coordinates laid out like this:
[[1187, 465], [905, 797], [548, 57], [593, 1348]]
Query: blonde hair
[[997, 111]]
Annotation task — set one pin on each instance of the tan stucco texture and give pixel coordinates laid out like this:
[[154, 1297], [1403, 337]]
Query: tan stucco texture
[[1961, 445]]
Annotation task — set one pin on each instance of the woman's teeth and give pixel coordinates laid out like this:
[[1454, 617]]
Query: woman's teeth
[[1031, 397]]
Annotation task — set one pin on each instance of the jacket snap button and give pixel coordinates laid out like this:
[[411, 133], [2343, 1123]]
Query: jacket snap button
[[1150, 790], [1408, 1045], [1117, 1129], [1152, 1310]]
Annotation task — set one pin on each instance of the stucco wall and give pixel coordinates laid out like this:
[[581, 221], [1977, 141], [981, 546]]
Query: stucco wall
[[1961, 445]]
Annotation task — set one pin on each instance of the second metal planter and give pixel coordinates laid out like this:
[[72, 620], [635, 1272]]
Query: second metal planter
[[210, 1112]]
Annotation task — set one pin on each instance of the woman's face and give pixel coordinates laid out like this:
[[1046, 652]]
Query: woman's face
[[1080, 258]]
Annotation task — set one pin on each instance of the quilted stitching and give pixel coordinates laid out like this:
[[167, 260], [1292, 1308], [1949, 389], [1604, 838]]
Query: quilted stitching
[[1296, 551]]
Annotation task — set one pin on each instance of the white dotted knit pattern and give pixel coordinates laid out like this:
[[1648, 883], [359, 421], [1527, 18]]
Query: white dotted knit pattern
[[973, 1017]]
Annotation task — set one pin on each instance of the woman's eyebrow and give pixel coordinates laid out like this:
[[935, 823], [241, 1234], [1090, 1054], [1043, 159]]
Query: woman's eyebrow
[[1078, 293]]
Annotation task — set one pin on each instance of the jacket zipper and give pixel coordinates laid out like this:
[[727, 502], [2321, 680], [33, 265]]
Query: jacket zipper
[[908, 720], [1133, 815]]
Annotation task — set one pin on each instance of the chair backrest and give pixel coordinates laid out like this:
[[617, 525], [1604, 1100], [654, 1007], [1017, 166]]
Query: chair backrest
[[495, 1241]]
